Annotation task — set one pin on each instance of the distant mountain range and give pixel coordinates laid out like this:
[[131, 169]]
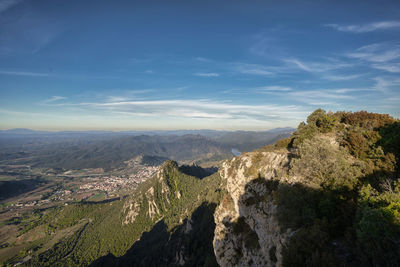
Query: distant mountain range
[[205, 132], [101, 149]]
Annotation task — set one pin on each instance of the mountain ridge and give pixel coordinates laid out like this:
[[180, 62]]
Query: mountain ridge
[[108, 152]]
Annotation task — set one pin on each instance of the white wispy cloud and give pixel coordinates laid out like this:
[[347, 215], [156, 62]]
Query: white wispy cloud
[[362, 28], [290, 66], [54, 99], [349, 90], [342, 77], [281, 66], [128, 95], [265, 45], [321, 94], [196, 109], [206, 74], [117, 98], [254, 69], [377, 53], [316, 67], [273, 88], [25, 114], [203, 59], [386, 84], [299, 64], [7, 4], [389, 67], [24, 73], [330, 97]]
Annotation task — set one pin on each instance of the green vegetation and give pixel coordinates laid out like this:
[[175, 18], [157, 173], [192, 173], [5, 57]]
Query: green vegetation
[[15, 187], [107, 228], [325, 164], [318, 122], [191, 240], [346, 210]]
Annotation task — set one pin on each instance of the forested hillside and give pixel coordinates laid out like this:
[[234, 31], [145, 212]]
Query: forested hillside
[[175, 209]]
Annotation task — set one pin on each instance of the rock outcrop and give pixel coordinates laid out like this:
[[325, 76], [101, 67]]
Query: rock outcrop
[[247, 232]]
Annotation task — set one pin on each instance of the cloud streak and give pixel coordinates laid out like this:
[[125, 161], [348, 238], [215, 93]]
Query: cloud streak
[[53, 99], [379, 56], [253, 69], [318, 97], [377, 53], [24, 73], [206, 74], [315, 67], [342, 77], [363, 28], [386, 84], [389, 67], [273, 88], [196, 109], [7, 4]]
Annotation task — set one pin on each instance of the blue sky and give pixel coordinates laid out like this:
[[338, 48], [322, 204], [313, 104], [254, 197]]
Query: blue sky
[[251, 65]]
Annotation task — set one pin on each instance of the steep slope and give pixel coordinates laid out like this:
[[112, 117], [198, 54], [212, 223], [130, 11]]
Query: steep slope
[[246, 224], [169, 206], [327, 196]]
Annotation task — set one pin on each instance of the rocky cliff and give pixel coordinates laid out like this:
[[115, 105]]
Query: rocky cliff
[[326, 196], [247, 231]]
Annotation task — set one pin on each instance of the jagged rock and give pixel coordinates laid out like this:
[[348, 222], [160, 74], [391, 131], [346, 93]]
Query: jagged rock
[[247, 232], [132, 210]]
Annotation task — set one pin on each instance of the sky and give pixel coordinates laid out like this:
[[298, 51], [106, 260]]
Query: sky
[[225, 65]]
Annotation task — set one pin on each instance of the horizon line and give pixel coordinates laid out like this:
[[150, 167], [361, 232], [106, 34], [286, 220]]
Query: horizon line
[[140, 130]]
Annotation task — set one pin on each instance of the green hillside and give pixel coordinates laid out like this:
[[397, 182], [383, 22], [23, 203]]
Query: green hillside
[[171, 198]]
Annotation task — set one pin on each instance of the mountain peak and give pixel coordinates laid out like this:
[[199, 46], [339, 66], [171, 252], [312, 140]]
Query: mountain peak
[[170, 164]]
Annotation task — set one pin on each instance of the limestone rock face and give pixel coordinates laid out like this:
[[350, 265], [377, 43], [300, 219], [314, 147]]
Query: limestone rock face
[[148, 199], [247, 232]]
